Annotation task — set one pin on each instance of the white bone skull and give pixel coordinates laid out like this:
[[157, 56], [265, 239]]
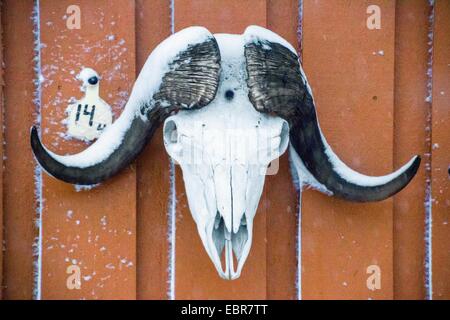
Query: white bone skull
[[224, 150]]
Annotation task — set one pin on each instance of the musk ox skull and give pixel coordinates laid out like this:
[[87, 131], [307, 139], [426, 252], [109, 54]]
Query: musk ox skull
[[231, 104]]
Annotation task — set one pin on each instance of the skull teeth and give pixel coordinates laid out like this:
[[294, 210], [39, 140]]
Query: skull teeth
[[228, 247], [227, 234]]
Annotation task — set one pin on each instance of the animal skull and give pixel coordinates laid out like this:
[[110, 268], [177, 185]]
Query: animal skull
[[230, 105], [224, 150]]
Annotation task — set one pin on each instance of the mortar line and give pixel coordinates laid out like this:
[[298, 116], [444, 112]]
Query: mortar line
[[172, 199], [38, 171], [428, 263], [299, 212]]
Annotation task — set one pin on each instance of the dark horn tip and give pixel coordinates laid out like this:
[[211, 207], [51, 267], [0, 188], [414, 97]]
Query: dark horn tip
[[408, 175], [34, 139], [389, 189], [33, 131], [415, 166], [39, 151]]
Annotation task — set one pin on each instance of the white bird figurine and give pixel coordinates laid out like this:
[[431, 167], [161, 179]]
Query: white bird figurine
[[90, 115]]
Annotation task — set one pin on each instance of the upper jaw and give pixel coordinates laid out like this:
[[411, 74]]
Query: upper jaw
[[226, 234]]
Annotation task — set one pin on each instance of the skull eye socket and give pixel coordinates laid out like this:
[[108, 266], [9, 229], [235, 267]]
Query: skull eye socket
[[170, 132], [229, 95]]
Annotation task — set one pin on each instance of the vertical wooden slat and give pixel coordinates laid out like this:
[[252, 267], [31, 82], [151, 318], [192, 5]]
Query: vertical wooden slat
[[19, 197], [351, 71], [281, 197], [196, 276], [440, 165], [93, 229], [1, 159], [410, 134], [153, 183]]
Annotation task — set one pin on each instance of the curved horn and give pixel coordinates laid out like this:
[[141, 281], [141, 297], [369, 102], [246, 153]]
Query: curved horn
[[181, 73], [278, 85]]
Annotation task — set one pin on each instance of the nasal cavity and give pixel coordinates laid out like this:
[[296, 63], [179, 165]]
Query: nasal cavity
[[229, 95]]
